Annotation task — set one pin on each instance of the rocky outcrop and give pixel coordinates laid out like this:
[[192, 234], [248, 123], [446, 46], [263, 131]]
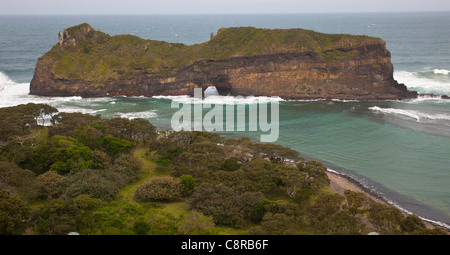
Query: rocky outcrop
[[238, 61]]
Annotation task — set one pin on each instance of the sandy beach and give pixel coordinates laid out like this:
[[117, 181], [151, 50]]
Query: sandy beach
[[339, 184]]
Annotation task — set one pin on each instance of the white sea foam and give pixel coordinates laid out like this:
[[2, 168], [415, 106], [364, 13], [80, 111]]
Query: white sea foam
[[417, 115], [212, 99], [441, 71], [79, 109], [428, 99], [5, 81], [135, 115], [422, 84], [12, 94]]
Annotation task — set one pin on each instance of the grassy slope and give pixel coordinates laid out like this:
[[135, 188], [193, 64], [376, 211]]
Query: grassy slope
[[97, 57], [177, 209]]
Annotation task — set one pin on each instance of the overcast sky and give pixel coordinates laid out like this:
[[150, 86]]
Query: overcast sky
[[216, 6]]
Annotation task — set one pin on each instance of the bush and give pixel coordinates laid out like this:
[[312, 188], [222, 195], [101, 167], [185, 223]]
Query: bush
[[58, 217], [51, 184], [141, 227], [128, 167], [231, 164], [159, 189], [187, 185], [92, 182], [14, 214], [226, 206], [196, 224], [114, 146]]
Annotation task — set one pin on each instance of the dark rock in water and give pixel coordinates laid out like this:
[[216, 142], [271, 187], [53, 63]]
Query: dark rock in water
[[289, 63]]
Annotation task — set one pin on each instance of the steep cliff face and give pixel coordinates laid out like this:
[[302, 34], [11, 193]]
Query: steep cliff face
[[289, 63]]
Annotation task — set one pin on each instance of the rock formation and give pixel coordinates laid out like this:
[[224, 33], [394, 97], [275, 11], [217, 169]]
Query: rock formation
[[289, 63]]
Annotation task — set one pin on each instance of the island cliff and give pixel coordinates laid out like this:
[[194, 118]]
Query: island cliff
[[289, 63]]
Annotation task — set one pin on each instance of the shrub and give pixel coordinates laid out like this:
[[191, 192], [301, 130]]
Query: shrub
[[159, 189], [128, 167], [14, 214], [196, 224], [187, 184], [51, 184], [226, 206], [114, 146], [231, 164], [92, 182], [58, 217], [141, 227]]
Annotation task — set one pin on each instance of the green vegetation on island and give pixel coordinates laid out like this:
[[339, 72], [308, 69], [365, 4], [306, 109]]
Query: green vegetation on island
[[73, 172], [97, 57]]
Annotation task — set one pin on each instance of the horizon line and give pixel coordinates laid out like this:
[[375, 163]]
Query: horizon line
[[212, 14]]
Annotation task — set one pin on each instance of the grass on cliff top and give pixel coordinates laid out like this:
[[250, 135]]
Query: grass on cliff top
[[97, 57]]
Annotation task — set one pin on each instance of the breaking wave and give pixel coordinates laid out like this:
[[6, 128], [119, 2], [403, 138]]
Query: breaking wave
[[417, 115], [435, 81], [135, 115], [221, 99]]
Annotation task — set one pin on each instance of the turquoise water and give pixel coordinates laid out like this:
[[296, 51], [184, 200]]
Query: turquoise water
[[400, 150]]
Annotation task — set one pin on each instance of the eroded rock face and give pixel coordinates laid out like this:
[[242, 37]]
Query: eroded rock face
[[362, 72]]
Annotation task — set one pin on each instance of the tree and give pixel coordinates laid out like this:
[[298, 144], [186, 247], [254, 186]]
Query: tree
[[114, 146], [199, 160], [276, 153], [89, 136], [386, 219], [323, 209], [316, 174], [357, 202], [41, 112], [142, 130], [412, 224], [14, 214], [64, 122], [291, 178], [261, 174]]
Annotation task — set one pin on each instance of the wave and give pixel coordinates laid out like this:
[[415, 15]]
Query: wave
[[417, 115], [12, 94], [435, 81], [5, 81], [221, 99], [424, 98], [441, 71], [135, 115], [77, 109]]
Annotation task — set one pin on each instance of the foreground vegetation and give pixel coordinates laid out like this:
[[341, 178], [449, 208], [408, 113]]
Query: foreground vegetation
[[73, 172]]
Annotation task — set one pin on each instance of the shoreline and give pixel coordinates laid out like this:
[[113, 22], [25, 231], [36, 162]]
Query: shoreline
[[340, 182]]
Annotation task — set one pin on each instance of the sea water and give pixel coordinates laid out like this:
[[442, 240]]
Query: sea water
[[398, 149]]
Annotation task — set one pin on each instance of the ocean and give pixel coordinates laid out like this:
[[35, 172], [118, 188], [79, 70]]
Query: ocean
[[399, 150]]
